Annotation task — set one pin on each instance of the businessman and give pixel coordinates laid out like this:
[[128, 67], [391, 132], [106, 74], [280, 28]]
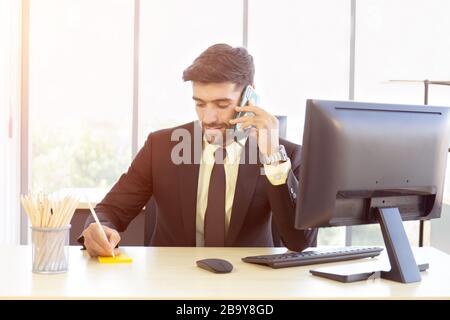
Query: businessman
[[209, 188]]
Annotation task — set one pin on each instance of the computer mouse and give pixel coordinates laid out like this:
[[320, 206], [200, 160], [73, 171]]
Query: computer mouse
[[215, 265]]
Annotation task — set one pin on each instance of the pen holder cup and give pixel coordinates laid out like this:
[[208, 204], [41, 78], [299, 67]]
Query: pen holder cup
[[50, 249]]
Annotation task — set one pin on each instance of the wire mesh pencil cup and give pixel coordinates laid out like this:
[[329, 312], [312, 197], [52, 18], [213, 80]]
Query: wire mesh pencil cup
[[50, 249]]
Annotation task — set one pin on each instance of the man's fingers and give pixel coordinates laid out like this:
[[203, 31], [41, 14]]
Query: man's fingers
[[247, 124], [114, 239], [96, 250], [241, 119], [96, 243], [99, 237], [87, 245], [254, 121], [113, 236], [256, 110], [90, 252]]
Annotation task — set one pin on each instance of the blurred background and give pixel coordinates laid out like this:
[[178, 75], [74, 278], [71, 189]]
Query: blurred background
[[83, 82]]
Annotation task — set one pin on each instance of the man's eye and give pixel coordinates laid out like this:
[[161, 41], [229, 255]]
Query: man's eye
[[200, 105], [223, 106]]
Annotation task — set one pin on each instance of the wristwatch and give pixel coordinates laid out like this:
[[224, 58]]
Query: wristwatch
[[280, 155]]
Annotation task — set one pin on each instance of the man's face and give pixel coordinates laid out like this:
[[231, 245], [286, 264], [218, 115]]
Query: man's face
[[214, 104]]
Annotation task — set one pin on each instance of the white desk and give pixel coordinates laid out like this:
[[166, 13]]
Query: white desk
[[171, 273]]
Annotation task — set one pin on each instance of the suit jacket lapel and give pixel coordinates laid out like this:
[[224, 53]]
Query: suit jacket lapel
[[248, 174], [188, 182]]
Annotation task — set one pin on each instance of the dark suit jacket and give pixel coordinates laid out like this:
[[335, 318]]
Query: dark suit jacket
[[174, 188]]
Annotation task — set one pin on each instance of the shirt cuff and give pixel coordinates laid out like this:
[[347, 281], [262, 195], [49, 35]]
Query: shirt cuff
[[277, 174]]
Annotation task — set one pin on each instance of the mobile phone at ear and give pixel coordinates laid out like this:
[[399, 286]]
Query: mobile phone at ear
[[249, 94]]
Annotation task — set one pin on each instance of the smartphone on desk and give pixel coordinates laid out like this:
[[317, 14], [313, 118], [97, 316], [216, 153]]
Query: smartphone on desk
[[249, 94]]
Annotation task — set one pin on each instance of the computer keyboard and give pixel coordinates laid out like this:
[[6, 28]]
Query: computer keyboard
[[293, 259]]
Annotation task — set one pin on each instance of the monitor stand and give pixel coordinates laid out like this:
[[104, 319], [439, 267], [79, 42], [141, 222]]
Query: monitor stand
[[403, 265]]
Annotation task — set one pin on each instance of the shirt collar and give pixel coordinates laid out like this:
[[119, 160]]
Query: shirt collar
[[233, 149]]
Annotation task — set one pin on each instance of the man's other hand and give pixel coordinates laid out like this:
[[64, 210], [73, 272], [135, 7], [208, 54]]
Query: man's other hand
[[95, 242]]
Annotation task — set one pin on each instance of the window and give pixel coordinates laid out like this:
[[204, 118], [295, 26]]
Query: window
[[298, 56], [172, 34], [81, 72], [405, 40], [80, 53], [401, 40]]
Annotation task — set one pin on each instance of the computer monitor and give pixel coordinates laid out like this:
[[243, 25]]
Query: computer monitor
[[366, 163]]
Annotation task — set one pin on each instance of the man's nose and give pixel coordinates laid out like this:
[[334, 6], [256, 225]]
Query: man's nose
[[210, 116]]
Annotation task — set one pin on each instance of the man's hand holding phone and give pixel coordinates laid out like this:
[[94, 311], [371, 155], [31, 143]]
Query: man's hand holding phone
[[265, 127]]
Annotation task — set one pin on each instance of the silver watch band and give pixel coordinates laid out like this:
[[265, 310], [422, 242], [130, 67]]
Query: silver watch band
[[280, 155]]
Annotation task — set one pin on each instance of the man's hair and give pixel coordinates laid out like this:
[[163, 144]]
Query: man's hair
[[222, 63]]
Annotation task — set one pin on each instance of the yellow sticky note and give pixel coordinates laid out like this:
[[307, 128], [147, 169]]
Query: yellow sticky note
[[120, 258]]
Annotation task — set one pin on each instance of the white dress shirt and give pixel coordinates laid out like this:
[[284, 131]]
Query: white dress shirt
[[277, 174]]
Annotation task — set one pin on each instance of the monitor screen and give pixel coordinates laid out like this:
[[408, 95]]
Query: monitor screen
[[357, 157]]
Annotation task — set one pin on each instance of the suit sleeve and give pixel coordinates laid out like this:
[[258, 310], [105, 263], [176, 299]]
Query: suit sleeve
[[129, 195], [283, 199]]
